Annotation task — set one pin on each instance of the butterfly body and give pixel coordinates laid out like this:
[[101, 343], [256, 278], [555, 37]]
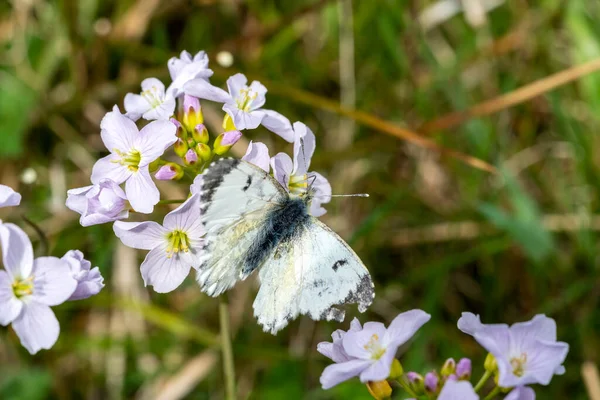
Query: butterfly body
[[253, 223]]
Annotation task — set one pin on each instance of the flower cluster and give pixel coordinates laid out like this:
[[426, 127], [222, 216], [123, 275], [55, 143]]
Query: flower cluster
[[523, 354], [29, 287], [162, 133]]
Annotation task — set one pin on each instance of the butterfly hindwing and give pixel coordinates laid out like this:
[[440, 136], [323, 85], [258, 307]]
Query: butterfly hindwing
[[311, 273], [236, 197]]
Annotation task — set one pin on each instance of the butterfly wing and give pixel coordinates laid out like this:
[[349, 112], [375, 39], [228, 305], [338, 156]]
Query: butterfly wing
[[235, 196], [311, 274]]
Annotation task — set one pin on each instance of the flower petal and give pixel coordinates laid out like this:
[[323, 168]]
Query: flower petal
[[355, 342], [458, 390], [242, 119], [277, 123], [17, 252], [8, 197], [36, 327], [380, 369], [77, 199], [53, 282], [153, 84], [337, 373], [258, 154], [140, 235], [304, 148], [282, 169], [539, 327], [164, 273], [202, 89], [543, 358], [469, 323], [236, 83], [154, 139], [325, 348], [186, 217], [10, 306], [162, 112], [405, 325], [117, 131], [135, 106], [109, 168], [259, 91], [521, 393], [142, 191], [322, 193], [91, 286]]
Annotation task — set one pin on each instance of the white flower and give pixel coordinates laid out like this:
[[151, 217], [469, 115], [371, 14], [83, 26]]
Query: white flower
[[9, 197], [152, 104], [174, 246], [186, 68]]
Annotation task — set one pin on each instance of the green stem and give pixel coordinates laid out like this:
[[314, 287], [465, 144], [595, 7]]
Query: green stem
[[404, 385], [174, 201], [493, 393], [482, 381], [228, 367]]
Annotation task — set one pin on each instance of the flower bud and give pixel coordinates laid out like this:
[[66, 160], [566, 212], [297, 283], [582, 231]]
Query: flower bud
[[431, 382], [463, 369], [490, 363], [396, 370], [168, 172], [192, 112], [228, 124], [180, 133], [225, 140], [415, 382], [203, 151], [180, 147], [154, 165], [200, 134], [452, 377], [190, 158], [99, 203], [380, 390], [448, 368]]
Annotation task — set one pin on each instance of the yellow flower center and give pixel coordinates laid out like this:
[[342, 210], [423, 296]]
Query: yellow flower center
[[22, 287], [178, 241], [518, 364], [298, 184], [245, 98], [152, 96], [131, 160], [374, 347]]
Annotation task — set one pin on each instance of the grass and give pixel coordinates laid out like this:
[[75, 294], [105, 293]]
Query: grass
[[531, 246]]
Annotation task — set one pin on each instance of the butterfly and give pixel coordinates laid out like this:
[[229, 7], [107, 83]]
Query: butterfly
[[252, 223]]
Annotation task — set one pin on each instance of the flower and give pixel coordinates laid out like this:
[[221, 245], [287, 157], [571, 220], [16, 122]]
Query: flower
[[131, 153], [525, 353], [458, 390], [99, 203], [243, 104], [89, 281], [186, 68], [258, 154], [8, 197], [431, 382], [294, 175], [225, 140], [152, 103], [368, 352], [335, 351], [521, 393], [29, 287], [170, 171], [174, 246]]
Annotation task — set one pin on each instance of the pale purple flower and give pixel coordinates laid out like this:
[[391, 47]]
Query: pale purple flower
[[99, 203], [258, 154], [369, 351], [174, 246], [186, 68], [243, 104], [190, 157], [526, 352], [89, 280], [335, 351], [463, 368], [521, 393], [196, 186], [230, 138], [458, 390], [29, 287], [8, 197], [166, 173], [131, 153], [294, 175], [152, 104]]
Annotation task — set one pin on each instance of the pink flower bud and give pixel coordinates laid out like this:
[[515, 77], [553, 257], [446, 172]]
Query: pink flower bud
[[431, 382], [463, 368], [190, 158], [225, 140], [169, 172], [200, 134]]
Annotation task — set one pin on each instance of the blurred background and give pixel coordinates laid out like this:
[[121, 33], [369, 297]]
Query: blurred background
[[380, 83]]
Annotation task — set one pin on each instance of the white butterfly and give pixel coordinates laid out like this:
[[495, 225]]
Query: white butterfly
[[252, 223]]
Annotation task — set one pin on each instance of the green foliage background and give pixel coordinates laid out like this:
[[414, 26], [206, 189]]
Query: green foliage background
[[436, 234]]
